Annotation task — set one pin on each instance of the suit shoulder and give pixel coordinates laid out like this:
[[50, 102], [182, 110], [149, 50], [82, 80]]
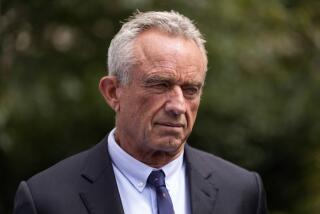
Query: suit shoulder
[[240, 187], [66, 178], [221, 167], [65, 171], [67, 167]]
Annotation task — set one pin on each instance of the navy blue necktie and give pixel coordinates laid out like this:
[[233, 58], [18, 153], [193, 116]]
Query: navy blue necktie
[[156, 180]]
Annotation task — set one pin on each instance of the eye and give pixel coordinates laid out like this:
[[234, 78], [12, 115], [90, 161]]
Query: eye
[[161, 85], [157, 85], [191, 91]]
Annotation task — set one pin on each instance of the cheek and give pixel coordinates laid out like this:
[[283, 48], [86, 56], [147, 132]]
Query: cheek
[[152, 103], [193, 106], [145, 108], [192, 113], [130, 110]]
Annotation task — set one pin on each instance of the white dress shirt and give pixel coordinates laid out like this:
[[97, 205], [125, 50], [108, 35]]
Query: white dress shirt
[[131, 177]]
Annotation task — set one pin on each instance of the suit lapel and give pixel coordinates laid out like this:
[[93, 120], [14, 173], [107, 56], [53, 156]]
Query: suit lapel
[[100, 193], [203, 191]]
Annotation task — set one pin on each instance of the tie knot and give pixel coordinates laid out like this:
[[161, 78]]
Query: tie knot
[[156, 179]]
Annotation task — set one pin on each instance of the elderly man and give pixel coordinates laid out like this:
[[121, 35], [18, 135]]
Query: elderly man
[[157, 66]]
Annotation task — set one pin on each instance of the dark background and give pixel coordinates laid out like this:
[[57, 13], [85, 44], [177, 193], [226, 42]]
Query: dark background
[[260, 107]]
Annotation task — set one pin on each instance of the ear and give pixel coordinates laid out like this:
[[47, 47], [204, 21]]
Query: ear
[[109, 88]]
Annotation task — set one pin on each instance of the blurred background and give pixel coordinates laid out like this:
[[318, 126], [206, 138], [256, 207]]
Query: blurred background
[[260, 107]]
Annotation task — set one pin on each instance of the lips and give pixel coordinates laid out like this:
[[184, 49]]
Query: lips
[[171, 124]]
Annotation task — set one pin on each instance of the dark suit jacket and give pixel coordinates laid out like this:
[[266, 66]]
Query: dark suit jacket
[[85, 183]]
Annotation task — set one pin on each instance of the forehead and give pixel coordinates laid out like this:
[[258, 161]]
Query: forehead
[[158, 53]]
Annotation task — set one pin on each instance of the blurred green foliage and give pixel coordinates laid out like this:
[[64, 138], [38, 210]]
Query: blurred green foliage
[[260, 108]]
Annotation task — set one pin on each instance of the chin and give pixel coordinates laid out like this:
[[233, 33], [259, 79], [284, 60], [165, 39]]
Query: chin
[[170, 145]]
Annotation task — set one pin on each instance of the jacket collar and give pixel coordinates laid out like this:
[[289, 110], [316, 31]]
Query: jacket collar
[[202, 187], [101, 194]]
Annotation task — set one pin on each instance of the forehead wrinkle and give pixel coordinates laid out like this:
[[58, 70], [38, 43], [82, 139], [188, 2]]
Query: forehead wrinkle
[[154, 60], [170, 62], [146, 54], [167, 61], [168, 70]]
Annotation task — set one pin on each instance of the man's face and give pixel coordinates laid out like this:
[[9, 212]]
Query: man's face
[[158, 108]]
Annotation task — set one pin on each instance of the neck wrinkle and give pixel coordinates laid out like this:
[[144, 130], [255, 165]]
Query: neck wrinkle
[[153, 159]]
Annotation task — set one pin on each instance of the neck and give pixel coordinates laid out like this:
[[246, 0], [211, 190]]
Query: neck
[[152, 158], [158, 159]]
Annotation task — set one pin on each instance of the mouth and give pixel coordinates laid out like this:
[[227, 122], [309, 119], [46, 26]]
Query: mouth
[[170, 124]]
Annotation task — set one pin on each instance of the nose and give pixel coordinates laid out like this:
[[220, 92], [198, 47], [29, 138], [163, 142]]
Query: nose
[[176, 104]]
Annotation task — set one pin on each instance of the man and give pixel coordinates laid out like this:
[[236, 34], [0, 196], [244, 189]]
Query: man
[[157, 66]]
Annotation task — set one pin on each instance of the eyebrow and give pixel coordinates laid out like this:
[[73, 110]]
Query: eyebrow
[[157, 78], [169, 78]]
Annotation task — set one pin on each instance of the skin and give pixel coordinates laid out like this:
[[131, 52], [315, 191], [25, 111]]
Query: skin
[[156, 111]]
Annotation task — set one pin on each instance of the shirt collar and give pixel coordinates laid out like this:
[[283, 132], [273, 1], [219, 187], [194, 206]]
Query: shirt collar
[[135, 171]]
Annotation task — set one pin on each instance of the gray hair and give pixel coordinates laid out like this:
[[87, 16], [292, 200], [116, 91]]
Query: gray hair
[[121, 55]]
